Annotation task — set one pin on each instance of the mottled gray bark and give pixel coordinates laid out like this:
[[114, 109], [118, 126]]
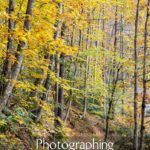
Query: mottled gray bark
[[135, 141]]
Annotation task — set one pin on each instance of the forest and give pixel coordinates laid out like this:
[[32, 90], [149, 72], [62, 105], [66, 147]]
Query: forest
[[74, 71]]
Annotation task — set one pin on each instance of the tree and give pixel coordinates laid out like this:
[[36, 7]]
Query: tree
[[135, 145], [144, 77]]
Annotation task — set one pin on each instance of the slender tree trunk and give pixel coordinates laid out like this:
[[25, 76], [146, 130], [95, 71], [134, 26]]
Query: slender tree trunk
[[6, 71], [69, 107], [56, 89], [115, 51], [144, 77], [85, 86], [86, 73], [114, 80], [61, 89], [122, 56], [47, 86], [57, 68], [110, 104], [10, 44], [135, 143]]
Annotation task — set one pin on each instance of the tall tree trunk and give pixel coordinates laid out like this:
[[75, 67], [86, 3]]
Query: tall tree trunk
[[10, 44], [47, 86], [85, 86], [115, 51], [114, 79], [122, 55], [86, 73], [135, 142], [144, 77], [110, 104], [19, 59], [6, 71], [61, 89], [57, 67], [56, 87]]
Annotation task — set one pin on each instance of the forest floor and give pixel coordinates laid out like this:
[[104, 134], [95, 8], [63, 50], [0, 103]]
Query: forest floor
[[85, 129]]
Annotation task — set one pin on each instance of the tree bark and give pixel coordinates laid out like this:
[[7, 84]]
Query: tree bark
[[86, 73], [61, 90], [6, 71], [144, 78], [57, 68], [135, 142], [110, 104], [114, 79], [10, 44], [115, 50]]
